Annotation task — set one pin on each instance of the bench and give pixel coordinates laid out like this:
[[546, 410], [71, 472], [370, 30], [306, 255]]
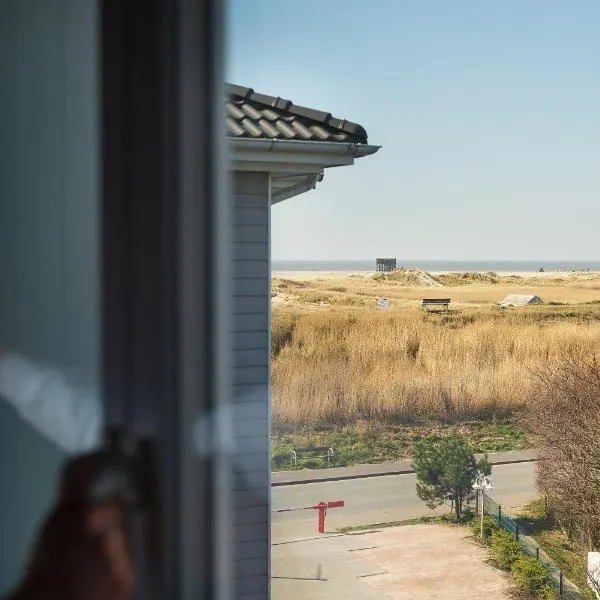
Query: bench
[[435, 302], [307, 453]]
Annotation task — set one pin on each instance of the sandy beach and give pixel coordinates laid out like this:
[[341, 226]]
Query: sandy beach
[[314, 275]]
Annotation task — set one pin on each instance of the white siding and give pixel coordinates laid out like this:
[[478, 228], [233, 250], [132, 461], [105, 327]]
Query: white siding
[[251, 343]]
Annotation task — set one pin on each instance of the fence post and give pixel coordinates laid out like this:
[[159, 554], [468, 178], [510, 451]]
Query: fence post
[[517, 532], [560, 584], [537, 553], [499, 514]]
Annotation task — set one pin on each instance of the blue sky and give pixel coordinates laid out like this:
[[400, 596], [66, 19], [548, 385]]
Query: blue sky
[[488, 114]]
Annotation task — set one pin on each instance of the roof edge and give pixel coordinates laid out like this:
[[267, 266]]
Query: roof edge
[[300, 111], [303, 147]]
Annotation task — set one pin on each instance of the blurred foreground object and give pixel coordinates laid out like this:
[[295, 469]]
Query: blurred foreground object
[[83, 549]]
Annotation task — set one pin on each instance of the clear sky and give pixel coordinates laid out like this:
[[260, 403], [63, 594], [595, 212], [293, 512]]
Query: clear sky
[[488, 114]]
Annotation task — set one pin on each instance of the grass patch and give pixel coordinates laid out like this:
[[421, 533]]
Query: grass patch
[[440, 520], [377, 442], [571, 560]]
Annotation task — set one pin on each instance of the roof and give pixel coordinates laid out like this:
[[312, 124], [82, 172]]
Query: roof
[[258, 116], [521, 300]]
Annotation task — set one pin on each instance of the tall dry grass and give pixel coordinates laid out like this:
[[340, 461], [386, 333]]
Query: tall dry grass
[[345, 364]]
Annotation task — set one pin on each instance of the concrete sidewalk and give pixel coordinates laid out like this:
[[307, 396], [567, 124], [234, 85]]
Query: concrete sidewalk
[[303, 476]]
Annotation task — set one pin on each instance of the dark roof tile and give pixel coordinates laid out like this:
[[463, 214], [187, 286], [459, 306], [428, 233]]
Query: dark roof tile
[[253, 115]]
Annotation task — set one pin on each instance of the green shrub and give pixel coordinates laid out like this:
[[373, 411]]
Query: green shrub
[[489, 526], [505, 549], [547, 592], [529, 574]]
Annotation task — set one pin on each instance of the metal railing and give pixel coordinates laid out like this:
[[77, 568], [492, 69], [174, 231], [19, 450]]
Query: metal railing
[[556, 578]]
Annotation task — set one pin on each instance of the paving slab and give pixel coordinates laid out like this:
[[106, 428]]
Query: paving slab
[[398, 563], [322, 567], [433, 562]]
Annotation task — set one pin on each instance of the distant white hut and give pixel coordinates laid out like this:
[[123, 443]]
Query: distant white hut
[[382, 303], [521, 300]]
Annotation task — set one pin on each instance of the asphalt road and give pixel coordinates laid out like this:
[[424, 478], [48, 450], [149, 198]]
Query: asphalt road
[[380, 500]]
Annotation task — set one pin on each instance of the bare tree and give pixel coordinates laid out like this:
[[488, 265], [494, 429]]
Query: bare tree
[[594, 581], [564, 416]]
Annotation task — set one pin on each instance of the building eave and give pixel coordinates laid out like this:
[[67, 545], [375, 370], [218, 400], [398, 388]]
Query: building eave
[[273, 152], [289, 186], [295, 166]]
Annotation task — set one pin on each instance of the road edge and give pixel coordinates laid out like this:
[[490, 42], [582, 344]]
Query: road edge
[[398, 471]]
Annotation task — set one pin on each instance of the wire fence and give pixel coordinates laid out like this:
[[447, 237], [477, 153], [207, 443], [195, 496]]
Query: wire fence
[[565, 589]]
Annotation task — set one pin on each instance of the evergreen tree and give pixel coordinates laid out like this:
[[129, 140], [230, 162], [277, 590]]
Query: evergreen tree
[[446, 469]]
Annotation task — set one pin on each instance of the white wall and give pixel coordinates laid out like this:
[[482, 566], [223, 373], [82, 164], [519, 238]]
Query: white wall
[[251, 343]]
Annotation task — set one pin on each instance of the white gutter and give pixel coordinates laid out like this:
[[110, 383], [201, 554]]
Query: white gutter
[[301, 148]]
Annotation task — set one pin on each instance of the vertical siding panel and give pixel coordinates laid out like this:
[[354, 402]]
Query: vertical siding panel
[[251, 335]]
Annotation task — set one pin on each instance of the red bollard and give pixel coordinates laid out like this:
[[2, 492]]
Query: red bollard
[[322, 508]]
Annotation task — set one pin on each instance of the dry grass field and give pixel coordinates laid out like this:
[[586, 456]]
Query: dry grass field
[[340, 362]]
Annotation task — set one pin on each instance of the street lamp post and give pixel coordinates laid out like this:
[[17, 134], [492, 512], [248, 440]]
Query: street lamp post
[[482, 482]]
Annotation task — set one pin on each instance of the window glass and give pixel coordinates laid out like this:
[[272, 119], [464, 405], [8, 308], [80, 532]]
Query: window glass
[[49, 302], [417, 299]]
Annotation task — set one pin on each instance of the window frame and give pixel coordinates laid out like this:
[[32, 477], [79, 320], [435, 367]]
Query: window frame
[[165, 274]]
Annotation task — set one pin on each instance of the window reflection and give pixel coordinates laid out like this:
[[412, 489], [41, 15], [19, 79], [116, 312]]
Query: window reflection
[[68, 416]]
